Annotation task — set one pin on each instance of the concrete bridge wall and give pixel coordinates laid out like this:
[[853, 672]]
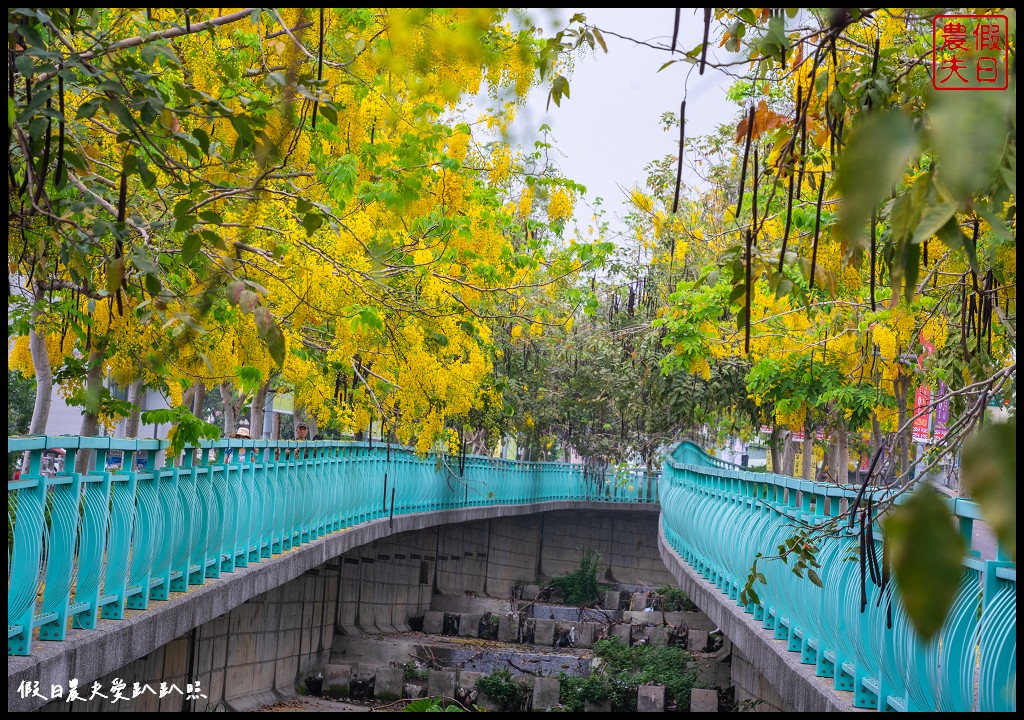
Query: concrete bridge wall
[[262, 627]]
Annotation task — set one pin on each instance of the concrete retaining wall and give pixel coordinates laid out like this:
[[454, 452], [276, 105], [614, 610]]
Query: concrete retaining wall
[[389, 581], [148, 643], [239, 659], [779, 668], [752, 688]]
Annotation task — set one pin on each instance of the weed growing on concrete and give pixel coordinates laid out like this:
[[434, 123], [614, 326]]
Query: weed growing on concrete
[[580, 587], [672, 599], [623, 669], [503, 689], [413, 673]]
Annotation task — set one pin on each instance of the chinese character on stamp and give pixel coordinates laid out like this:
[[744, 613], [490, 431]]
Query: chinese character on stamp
[[970, 52]]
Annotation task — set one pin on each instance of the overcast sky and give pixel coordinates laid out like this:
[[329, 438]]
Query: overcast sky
[[608, 129]]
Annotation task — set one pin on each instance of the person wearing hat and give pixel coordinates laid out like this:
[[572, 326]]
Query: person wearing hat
[[243, 433], [301, 434]]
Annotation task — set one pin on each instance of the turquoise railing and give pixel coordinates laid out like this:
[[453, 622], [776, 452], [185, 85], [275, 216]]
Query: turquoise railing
[[87, 545], [718, 516]]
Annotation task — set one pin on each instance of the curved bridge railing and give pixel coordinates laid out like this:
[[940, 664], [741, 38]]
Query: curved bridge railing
[[718, 516], [81, 546]]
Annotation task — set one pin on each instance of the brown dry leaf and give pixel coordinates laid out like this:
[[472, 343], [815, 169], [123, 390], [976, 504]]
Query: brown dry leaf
[[765, 119]]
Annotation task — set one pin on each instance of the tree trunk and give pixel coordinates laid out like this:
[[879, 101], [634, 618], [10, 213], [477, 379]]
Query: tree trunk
[[831, 462], [275, 426], [228, 409], [808, 465], [843, 459], [90, 419], [44, 378], [775, 444], [259, 406], [901, 387], [789, 456], [199, 401], [135, 394]]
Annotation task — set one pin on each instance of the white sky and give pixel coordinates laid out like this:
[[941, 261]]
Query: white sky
[[608, 129]]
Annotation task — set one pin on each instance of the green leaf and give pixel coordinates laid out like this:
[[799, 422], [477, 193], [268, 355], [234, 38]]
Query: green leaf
[[367, 317], [873, 160], [312, 222], [118, 108], [936, 213], [203, 139], [241, 125], [968, 138], [951, 235], [184, 224], [990, 474], [190, 247], [275, 344], [926, 554], [24, 65], [152, 284], [813, 577], [997, 225], [115, 273], [249, 378], [88, 108], [182, 207], [147, 175]]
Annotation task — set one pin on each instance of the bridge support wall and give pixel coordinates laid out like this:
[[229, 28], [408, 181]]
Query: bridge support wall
[[249, 635]]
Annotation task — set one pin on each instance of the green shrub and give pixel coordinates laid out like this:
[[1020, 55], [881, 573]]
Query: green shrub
[[672, 599], [502, 688], [575, 690], [414, 673], [623, 669], [581, 587]]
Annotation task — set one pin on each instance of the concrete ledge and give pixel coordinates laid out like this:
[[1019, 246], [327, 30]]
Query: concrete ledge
[[796, 682], [90, 654]]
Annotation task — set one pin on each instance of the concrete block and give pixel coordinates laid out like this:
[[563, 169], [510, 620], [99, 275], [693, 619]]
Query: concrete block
[[638, 601], [545, 693], [697, 620], [485, 703], [650, 698], [622, 631], [469, 625], [441, 682], [414, 690], [703, 700], [696, 640], [337, 679], [433, 622], [531, 592], [657, 635], [585, 634], [508, 628], [389, 683], [604, 706], [544, 632], [611, 600]]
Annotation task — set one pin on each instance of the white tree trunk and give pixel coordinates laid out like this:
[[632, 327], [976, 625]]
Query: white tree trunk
[[259, 405], [228, 409], [44, 378], [135, 394], [90, 420]]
